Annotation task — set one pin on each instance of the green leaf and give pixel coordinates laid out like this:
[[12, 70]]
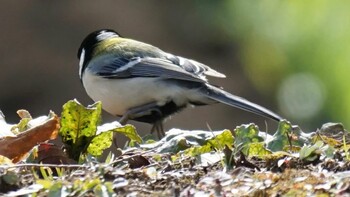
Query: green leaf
[[105, 137], [46, 183], [78, 121], [329, 151], [110, 158], [127, 130], [58, 189], [26, 122], [104, 190], [288, 136], [245, 136], [328, 140], [229, 158], [280, 138], [310, 153], [22, 125], [202, 141], [257, 149], [99, 143], [90, 184], [10, 178], [79, 126], [216, 142]]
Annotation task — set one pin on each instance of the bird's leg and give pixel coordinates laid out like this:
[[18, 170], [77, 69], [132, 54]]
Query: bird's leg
[[144, 110], [137, 112], [124, 119], [158, 127]]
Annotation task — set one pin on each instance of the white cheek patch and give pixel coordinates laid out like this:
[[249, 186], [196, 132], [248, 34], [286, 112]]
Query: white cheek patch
[[81, 62]]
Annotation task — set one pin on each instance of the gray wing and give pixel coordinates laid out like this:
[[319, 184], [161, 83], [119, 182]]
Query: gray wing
[[193, 66], [143, 67]]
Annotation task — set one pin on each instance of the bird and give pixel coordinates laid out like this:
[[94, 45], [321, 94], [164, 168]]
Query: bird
[[138, 81]]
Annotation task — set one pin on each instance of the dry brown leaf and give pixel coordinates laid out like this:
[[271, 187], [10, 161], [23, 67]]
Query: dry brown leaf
[[138, 161], [15, 148], [49, 153]]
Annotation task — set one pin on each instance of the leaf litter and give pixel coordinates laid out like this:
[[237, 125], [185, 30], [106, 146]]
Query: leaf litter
[[242, 162]]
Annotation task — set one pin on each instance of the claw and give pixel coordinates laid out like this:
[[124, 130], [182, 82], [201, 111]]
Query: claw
[[145, 110]]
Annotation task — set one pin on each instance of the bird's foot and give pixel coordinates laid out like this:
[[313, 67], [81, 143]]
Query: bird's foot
[[158, 127], [138, 112]]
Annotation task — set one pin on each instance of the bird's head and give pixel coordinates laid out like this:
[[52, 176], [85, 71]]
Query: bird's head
[[89, 44]]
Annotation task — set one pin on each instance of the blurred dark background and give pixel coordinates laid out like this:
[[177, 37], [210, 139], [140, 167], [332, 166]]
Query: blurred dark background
[[292, 57]]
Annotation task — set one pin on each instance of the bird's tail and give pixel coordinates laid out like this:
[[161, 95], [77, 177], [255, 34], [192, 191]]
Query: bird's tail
[[222, 96]]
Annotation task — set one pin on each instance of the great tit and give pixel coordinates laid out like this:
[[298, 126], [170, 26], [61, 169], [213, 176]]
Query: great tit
[[138, 81]]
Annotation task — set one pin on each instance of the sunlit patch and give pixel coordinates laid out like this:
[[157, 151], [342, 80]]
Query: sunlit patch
[[105, 35], [301, 96]]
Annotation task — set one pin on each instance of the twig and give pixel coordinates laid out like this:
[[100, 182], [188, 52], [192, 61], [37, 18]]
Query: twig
[[43, 165]]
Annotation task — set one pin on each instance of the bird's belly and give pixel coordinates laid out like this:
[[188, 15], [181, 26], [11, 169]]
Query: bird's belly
[[119, 95]]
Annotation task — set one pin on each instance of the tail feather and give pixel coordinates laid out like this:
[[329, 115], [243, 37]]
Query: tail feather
[[222, 96]]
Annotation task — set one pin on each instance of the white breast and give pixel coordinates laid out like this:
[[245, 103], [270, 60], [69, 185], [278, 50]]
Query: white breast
[[119, 95]]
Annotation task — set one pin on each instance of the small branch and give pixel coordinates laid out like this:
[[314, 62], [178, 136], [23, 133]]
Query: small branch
[[43, 165]]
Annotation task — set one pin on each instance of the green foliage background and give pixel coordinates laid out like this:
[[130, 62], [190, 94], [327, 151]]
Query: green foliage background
[[296, 50]]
